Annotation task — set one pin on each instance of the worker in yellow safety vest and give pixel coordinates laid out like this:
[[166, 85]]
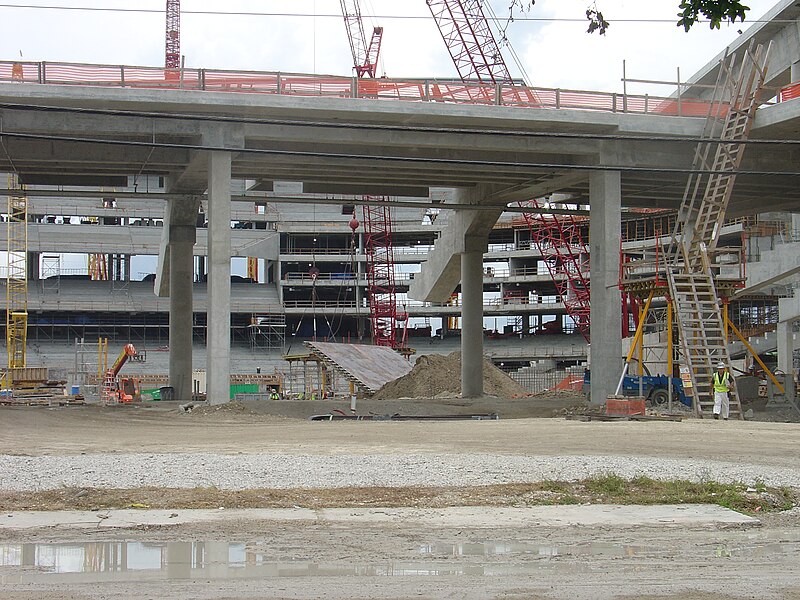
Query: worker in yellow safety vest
[[723, 384]]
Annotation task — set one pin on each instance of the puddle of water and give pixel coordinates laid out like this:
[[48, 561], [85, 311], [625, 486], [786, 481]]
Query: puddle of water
[[141, 561], [504, 548], [134, 561]]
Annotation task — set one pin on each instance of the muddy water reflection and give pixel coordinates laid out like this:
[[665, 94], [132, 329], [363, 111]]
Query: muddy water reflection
[[142, 561]]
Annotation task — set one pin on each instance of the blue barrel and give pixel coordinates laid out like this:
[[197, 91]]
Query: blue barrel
[[76, 389]]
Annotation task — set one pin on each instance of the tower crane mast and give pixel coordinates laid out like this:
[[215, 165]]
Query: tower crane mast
[[172, 55]]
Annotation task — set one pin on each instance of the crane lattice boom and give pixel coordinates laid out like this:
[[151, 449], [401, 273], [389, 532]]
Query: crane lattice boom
[[365, 56], [470, 41]]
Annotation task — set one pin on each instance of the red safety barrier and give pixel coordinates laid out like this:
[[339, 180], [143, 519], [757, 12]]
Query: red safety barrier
[[298, 84], [790, 92]]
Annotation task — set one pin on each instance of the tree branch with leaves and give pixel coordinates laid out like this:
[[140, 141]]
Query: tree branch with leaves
[[714, 12]]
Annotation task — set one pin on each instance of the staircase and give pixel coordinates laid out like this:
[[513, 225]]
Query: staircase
[[702, 335], [697, 311]]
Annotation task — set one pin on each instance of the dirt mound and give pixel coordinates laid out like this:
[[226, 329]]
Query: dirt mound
[[435, 375]]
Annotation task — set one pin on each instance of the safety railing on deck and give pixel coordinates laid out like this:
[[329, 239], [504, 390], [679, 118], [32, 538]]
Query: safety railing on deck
[[299, 84]]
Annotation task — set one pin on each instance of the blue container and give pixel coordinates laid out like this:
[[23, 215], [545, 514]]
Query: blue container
[[76, 389]]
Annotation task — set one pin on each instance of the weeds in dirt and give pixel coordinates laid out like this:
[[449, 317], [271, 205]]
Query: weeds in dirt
[[602, 489]]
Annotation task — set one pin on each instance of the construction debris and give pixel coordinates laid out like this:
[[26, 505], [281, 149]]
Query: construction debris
[[615, 418], [399, 417], [436, 376]]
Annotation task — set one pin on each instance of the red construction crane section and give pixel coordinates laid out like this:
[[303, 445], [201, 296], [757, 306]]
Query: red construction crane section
[[470, 41], [172, 57], [380, 274], [564, 251], [365, 57]]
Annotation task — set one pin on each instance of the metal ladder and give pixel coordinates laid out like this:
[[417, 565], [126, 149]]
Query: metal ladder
[[708, 190]]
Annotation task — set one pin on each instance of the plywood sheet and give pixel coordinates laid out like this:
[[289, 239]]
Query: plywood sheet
[[370, 367]]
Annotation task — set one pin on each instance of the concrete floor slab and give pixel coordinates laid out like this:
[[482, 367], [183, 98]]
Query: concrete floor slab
[[660, 516]]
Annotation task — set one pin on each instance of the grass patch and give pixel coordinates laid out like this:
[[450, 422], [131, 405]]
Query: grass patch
[[644, 490], [602, 489]]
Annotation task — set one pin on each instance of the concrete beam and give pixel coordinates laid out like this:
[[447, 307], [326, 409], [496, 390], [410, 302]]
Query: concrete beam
[[441, 273], [606, 305], [180, 221], [773, 267], [543, 186], [373, 189], [778, 25]]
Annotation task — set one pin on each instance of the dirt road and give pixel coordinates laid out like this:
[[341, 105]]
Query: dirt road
[[145, 430], [396, 559]]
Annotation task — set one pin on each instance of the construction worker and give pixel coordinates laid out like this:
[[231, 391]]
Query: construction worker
[[273, 394], [722, 383]]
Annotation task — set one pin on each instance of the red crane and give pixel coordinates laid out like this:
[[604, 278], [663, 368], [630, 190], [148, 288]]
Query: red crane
[[476, 54], [365, 57], [172, 55], [470, 41], [381, 289]]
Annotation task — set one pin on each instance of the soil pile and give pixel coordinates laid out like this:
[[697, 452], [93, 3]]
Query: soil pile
[[435, 375]]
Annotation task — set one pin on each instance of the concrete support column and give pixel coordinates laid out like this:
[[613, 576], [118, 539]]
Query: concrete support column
[[178, 269], [181, 321], [526, 324], [218, 366], [472, 324], [606, 315], [795, 72], [785, 344]]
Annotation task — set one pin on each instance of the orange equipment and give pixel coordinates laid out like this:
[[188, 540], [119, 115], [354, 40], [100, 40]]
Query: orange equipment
[[127, 389]]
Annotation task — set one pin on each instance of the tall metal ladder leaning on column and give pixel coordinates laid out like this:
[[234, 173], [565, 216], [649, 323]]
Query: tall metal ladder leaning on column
[[702, 212]]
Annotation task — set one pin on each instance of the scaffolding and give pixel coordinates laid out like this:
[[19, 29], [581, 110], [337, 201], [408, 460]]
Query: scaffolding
[[308, 378], [51, 273], [267, 332], [560, 241], [381, 289], [17, 275]]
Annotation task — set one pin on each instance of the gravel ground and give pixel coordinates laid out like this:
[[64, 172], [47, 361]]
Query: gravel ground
[[283, 471]]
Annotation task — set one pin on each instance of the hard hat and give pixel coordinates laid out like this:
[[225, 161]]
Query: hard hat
[[721, 365]]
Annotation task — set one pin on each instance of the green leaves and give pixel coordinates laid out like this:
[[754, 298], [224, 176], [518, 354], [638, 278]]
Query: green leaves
[[716, 11]]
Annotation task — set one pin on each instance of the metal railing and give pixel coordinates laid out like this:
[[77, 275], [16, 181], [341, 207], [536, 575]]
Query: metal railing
[[300, 84]]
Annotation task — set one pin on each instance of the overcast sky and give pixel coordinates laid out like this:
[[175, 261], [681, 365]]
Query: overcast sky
[[554, 54]]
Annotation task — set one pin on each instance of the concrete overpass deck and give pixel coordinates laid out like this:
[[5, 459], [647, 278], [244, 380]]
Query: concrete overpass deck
[[608, 151]]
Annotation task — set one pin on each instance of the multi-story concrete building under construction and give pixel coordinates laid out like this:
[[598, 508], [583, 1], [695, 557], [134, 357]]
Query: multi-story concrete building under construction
[[217, 219]]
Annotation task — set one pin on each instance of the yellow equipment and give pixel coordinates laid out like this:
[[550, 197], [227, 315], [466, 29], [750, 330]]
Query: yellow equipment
[[17, 276]]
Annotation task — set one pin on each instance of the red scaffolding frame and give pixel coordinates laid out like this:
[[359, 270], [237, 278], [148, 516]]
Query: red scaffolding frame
[[381, 288], [561, 243]]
